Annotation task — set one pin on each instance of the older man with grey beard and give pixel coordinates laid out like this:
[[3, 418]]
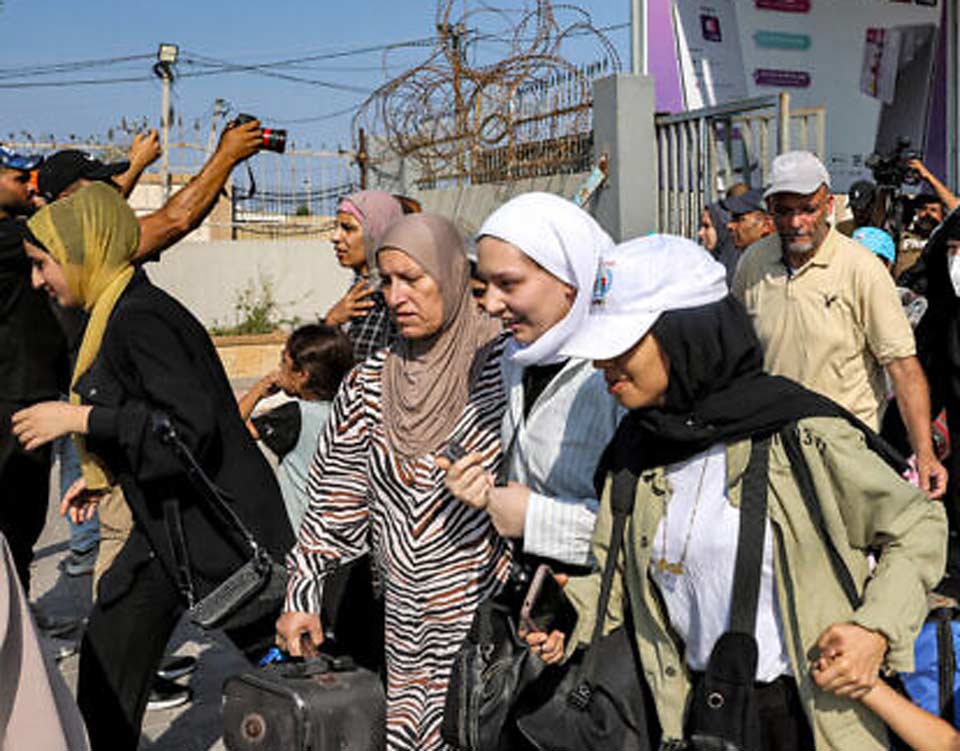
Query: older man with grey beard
[[828, 314]]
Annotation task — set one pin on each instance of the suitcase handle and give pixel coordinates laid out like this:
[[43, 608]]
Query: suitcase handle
[[319, 665]]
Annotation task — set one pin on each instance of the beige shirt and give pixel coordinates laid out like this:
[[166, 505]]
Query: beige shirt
[[832, 324]]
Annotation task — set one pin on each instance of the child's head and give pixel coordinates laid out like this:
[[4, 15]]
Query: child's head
[[314, 361]]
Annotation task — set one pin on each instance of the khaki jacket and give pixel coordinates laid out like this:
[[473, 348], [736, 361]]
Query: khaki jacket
[[865, 506]]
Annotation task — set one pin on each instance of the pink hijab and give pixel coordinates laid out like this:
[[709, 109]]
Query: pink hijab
[[375, 210]]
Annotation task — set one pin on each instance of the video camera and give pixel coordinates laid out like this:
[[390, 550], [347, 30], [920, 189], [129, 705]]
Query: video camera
[[892, 170]]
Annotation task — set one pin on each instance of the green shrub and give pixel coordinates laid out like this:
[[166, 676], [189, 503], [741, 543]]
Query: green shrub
[[256, 311]]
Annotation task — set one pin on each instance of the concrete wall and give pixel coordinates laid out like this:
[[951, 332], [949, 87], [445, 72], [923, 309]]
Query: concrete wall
[[624, 130], [207, 277]]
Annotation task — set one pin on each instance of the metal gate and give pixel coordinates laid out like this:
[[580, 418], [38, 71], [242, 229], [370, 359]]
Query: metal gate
[[703, 152]]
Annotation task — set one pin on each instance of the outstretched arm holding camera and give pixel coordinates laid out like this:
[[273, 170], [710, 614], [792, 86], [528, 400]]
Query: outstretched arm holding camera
[[188, 207], [946, 196]]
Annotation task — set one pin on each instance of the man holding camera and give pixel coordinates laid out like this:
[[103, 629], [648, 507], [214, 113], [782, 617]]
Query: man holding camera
[[946, 197], [828, 314], [67, 171]]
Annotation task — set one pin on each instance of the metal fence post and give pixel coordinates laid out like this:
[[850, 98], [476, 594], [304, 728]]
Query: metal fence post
[[783, 115]]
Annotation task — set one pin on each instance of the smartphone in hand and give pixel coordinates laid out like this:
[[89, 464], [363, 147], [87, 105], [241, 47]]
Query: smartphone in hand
[[453, 451], [546, 607]]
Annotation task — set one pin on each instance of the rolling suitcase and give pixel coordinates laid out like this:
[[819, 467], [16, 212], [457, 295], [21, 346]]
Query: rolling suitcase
[[322, 704]]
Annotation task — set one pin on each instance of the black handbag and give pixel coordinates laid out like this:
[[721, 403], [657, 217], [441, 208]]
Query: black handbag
[[252, 592], [490, 669], [502, 697], [602, 700], [722, 715]]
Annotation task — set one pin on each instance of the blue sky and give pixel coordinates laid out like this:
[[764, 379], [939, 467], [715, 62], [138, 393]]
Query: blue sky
[[46, 32]]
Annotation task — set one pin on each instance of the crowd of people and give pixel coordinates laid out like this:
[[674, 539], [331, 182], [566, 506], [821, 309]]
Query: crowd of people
[[462, 412]]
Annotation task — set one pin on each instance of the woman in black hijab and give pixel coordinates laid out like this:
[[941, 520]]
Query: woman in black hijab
[[682, 356], [714, 235]]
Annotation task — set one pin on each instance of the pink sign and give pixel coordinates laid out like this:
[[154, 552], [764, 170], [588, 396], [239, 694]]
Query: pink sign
[[794, 79], [787, 6]]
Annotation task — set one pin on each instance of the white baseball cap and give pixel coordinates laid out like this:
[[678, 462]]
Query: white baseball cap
[[636, 282], [797, 172]]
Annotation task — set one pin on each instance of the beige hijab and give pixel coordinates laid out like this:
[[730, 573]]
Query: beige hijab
[[427, 382]]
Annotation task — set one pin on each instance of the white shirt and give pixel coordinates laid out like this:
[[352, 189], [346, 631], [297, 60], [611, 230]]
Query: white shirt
[[554, 451], [699, 599]]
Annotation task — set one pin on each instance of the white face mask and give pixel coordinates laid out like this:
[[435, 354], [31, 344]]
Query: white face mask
[[953, 265]]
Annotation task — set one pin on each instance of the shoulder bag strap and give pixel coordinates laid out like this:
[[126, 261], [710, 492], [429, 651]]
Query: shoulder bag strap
[[751, 539], [165, 430], [790, 436], [502, 475], [622, 497], [178, 544]]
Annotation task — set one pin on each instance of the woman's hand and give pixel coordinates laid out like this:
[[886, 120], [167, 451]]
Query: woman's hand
[[354, 304], [293, 627], [80, 503], [850, 660], [548, 647], [467, 480], [47, 421]]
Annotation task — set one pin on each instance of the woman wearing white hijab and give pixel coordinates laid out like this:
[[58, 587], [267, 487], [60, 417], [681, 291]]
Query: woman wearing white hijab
[[539, 254]]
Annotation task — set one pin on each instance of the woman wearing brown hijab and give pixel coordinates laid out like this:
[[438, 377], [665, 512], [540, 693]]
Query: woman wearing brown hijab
[[375, 485]]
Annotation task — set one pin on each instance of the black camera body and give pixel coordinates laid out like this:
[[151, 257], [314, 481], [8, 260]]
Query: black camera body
[[274, 139], [892, 170]]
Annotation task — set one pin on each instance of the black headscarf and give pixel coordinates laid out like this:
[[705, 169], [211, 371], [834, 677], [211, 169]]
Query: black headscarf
[[717, 393], [938, 334], [725, 252]]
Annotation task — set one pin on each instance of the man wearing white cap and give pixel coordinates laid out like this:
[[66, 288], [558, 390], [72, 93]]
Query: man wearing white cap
[[828, 314]]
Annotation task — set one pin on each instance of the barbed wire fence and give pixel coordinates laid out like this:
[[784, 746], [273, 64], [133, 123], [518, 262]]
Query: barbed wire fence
[[497, 98], [522, 111]]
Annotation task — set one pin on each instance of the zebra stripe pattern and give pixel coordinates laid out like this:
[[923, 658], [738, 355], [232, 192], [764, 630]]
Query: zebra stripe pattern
[[437, 558]]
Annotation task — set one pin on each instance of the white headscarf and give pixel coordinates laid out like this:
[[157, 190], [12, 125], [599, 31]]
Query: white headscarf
[[567, 242]]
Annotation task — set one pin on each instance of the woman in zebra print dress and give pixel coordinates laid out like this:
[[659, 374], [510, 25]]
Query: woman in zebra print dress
[[375, 484]]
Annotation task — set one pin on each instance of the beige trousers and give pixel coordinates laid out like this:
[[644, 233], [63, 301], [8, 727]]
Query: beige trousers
[[116, 522]]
